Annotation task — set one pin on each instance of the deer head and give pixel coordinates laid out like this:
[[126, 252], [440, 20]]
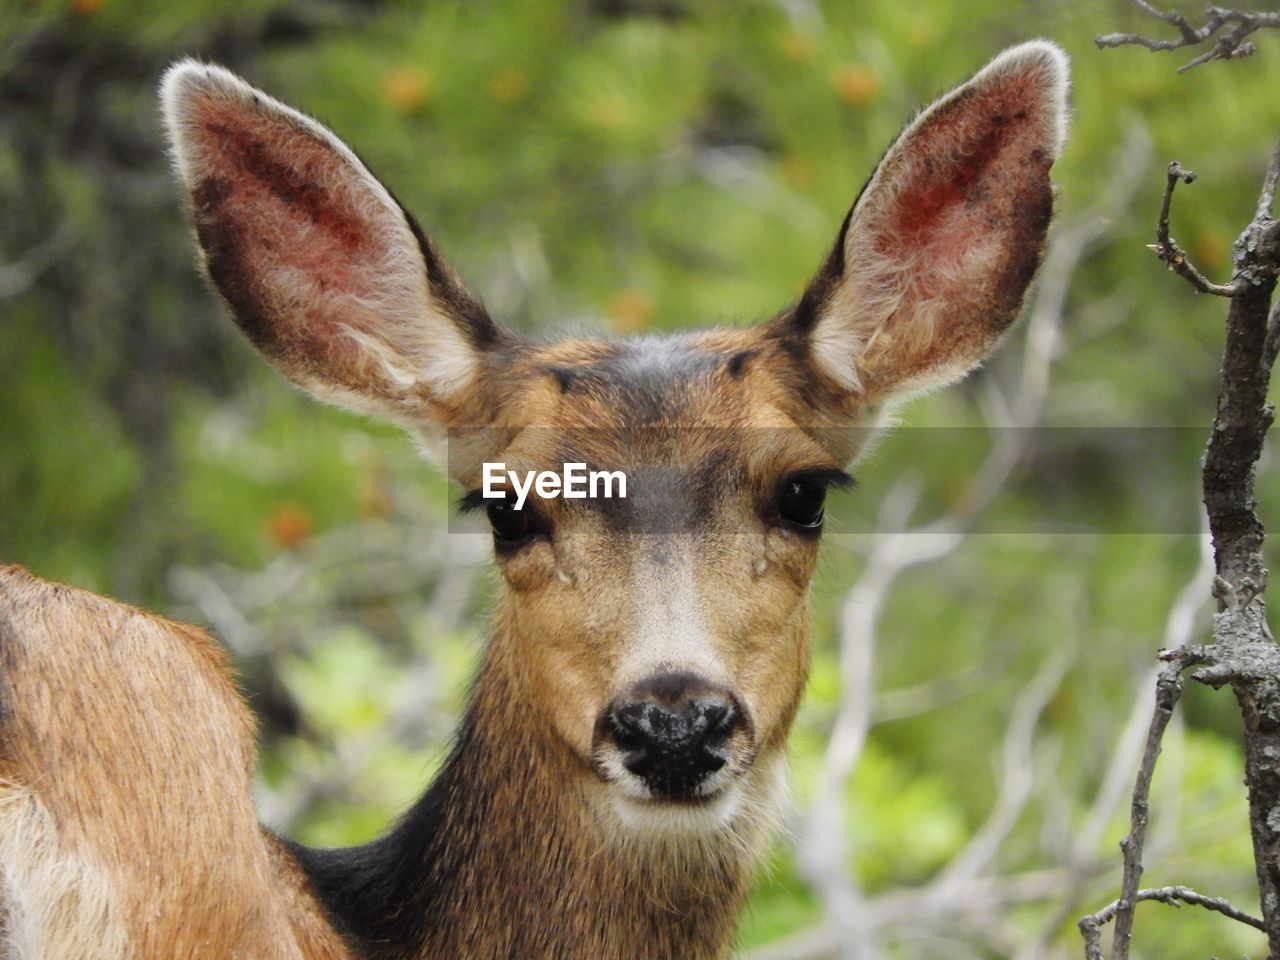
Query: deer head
[[657, 644]]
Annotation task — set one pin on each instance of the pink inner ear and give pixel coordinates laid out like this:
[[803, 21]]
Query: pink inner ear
[[951, 231], [979, 156], [285, 220]]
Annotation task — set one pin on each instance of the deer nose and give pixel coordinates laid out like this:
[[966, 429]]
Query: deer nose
[[673, 732]]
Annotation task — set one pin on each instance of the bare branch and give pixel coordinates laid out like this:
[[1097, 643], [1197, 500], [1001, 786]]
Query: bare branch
[[17, 277], [1167, 249], [936, 692], [1091, 926], [1243, 649], [1168, 690], [1016, 783], [919, 910], [1243, 652], [1232, 44], [1180, 626]]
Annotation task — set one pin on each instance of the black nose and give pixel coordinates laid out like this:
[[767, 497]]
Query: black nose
[[673, 731]]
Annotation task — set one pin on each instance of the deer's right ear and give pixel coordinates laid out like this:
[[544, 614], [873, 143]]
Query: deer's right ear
[[322, 269], [933, 261]]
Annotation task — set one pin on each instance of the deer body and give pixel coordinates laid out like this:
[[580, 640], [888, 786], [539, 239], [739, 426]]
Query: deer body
[[620, 767]]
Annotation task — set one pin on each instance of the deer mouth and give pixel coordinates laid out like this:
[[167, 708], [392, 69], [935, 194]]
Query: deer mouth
[[700, 783], [688, 801], [698, 814]]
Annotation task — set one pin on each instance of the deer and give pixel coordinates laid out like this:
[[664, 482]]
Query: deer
[[620, 768]]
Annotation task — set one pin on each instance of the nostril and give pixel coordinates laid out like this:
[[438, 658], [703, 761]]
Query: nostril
[[631, 727], [715, 717], [654, 731], [711, 762]]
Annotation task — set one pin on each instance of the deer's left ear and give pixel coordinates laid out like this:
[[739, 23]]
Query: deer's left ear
[[932, 262], [320, 266]]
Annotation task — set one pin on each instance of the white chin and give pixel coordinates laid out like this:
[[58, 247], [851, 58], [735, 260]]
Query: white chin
[[673, 818]]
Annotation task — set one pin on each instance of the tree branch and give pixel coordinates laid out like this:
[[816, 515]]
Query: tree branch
[[1091, 926], [1168, 690], [1167, 249], [1243, 652], [1230, 45]]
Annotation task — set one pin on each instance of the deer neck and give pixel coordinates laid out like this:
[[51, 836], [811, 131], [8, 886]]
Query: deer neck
[[507, 856]]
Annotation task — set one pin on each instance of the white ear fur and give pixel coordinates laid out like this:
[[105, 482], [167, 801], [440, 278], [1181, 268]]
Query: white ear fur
[[852, 323], [404, 335], [1050, 58]]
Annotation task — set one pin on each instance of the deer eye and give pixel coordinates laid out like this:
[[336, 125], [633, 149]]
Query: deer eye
[[803, 495], [511, 527], [801, 501]]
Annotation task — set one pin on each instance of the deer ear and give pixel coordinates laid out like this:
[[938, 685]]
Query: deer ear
[[932, 262], [322, 269]]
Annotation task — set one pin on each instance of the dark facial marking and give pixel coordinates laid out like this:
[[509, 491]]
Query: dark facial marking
[[476, 324], [564, 377], [737, 364]]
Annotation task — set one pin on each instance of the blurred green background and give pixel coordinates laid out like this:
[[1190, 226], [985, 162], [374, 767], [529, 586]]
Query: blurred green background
[[643, 165]]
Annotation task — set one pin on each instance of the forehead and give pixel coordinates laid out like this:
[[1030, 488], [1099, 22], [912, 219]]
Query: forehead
[[675, 413], [652, 382], [671, 392]]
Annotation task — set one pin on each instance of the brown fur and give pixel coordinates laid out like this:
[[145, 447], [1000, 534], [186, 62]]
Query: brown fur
[[130, 732]]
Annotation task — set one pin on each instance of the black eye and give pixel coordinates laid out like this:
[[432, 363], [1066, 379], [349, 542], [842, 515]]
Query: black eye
[[511, 527], [801, 501]]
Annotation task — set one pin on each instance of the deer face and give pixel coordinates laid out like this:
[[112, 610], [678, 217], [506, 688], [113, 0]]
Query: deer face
[[660, 640], [665, 634]]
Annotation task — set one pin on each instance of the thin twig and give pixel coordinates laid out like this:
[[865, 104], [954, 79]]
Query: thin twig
[[1167, 249], [1267, 196], [1168, 690], [1230, 45], [1091, 926], [1180, 628]]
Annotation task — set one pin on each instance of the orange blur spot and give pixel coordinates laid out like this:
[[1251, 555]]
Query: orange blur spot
[[856, 84], [630, 310], [406, 88], [290, 525], [509, 86]]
